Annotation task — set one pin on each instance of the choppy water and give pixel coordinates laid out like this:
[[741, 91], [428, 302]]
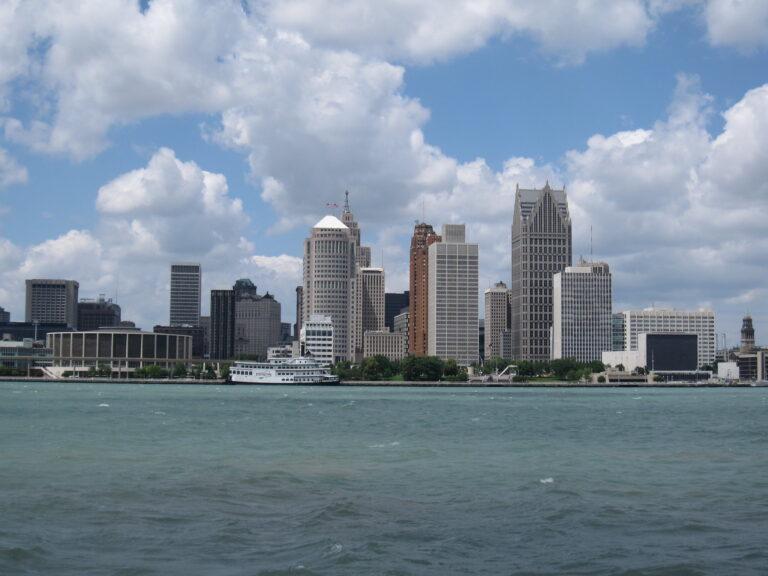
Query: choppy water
[[140, 480]]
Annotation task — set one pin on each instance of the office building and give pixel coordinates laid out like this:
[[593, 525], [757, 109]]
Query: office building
[[747, 335], [392, 345], [52, 302], [496, 319], [394, 304], [369, 305], [5, 316], [658, 353], [330, 270], [581, 314], [402, 323], [670, 321], [257, 321], [317, 339], [186, 288], [617, 332], [99, 313], [418, 298], [222, 324], [285, 333], [362, 253], [505, 344], [23, 355], [541, 247], [299, 311], [196, 333], [205, 324], [453, 297]]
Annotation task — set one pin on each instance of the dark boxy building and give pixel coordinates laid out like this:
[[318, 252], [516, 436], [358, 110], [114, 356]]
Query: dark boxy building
[[196, 332], [95, 314], [222, 324], [671, 352], [394, 303], [5, 316], [22, 330]]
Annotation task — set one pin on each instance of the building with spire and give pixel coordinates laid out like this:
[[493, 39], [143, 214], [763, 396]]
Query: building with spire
[[541, 247], [418, 311], [747, 335]]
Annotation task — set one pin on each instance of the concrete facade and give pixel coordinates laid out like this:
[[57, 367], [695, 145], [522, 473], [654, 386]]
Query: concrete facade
[[257, 321], [330, 272], [393, 345], [369, 292], [497, 319], [581, 312], [317, 338], [52, 301], [671, 321], [453, 325]]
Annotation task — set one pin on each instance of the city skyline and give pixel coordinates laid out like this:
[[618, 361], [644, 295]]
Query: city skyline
[[117, 199]]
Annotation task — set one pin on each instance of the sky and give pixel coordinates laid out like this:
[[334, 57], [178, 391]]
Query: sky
[[135, 134]]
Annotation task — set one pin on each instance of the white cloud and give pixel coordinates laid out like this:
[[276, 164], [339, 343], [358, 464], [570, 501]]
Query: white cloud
[[435, 29], [739, 23], [168, 210], [11, 172]]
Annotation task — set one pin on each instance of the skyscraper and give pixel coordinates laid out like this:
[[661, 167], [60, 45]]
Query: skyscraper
[[369, 292], [496, 319], [330, 267], [423, 236], [5, 316], [541, 247], [299, 311], [52, 301], [222, 343], [257, 321], [581, 318], [363, 253], [453, 297], [186, 288], [394, 304], [747, 335]]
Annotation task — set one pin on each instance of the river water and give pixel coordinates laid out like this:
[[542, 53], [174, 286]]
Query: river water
[[232, 480]]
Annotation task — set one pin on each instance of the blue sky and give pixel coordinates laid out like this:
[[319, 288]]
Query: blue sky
[[291, 110]]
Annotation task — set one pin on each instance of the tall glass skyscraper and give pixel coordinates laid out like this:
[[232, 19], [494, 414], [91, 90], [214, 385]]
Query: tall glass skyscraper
[[541, 247], [185, 294]]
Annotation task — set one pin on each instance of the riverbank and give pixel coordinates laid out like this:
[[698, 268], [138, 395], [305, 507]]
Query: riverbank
[[405, 384]]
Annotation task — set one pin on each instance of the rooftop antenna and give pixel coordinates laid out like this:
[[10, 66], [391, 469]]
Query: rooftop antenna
[[346, 201], [117, 288], [423, 217], [591, 254]]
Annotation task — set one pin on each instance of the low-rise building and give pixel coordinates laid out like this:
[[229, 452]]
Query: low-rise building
[[22, 355], [276, 352], [122, 350], [658, 353], [393, 345], [316, 338]]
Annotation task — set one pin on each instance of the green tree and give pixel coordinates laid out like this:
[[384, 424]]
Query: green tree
[[180, 371], [422, 368]]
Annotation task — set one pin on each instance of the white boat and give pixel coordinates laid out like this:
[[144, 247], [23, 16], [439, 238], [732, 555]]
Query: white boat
[[282, 371]]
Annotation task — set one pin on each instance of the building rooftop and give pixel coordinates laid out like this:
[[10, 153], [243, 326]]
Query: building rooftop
[[331, 222]]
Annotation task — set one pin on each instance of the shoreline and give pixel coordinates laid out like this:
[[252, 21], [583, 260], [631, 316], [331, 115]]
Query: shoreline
[[401, 384]]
